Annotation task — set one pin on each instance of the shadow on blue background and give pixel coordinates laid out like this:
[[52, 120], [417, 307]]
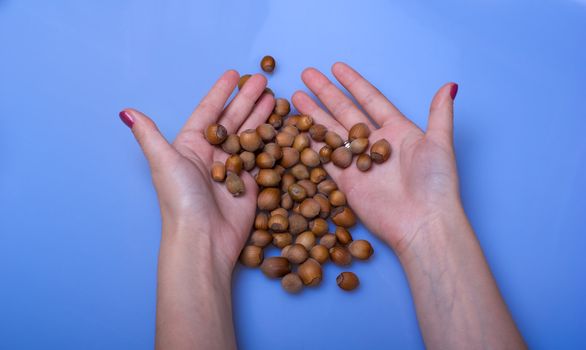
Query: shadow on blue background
[[79, 223]]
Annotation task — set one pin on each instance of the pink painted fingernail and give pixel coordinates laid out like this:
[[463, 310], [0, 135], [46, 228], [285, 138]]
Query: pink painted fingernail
[[126, 119], [454, 91]]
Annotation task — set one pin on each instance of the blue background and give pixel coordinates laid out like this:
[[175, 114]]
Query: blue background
[[79, 223]]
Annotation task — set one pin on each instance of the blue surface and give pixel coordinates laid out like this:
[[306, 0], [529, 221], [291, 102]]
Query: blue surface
[[79, 223]]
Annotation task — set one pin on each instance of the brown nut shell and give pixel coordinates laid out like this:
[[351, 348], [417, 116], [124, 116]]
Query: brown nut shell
[[342, 157], [232, 144], [250, 140], [234, 164], [261, 221], [269, 198], [286, 201], [261, 238], [340, 256], [343, 236], [296, 254], [297, 223], [309, 157], [310, 272], [337, 198], [275, 267], [268, 178], [333, 140], [282, 107], [327, 186], [325, 154], [309, 208], [266, 132], [304, 123], [290, 157], [324, 205], [363, 162], [301, 142], [251, 256], [265, 160], [268, 64], [234, 184], [320, 253], [281, 240], [306, 239], [317, 175], [318, 132], [274, 150], [218, 172], [347, 281], [310, 187], [243, 79], [343, 216], [248, 160], [361, 249], [278, 223], [359, 130], [297, 192], [359, 146], [318, 226], [275, 120], [328, 240], [300, 172], [380, 151], [292, 283], [216, 134]]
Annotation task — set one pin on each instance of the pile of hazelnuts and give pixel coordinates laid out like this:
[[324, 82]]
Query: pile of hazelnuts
[[296, 196]]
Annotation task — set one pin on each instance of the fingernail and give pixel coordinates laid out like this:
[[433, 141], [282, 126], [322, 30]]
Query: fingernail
[[454, 91], [126, 119]]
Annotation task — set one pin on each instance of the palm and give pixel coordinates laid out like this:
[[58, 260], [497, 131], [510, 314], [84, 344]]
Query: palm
[[419, 174]]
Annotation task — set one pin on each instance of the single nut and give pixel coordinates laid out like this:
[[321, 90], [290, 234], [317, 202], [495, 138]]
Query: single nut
[[284, 139], [318, 226], [325, 154], [282, 107], [261, 221], [328, 240], [248, 160], [268, 178], [234, 184], [280, 169], [337, 198], [359, 130], [343, 216], [317, 175], [269, 198], [234, 164], [343, 236], [297, 192], [318, 132], [274, 150], [309, 208], [290, 157], [300, 172], [251, 256], [306, 239], [275, 267], [380, 151], [297, 224], [310, 157], [216, 134], [267, 64], [266, 132], [327, 186], [268, 90], [286, 201], [280, 211], [361, 249], [301, 142], [265, 160], [320, 253], [333, 140], [243, 80], [278, 223], [296, 254], [310, 272], [304, 123], [261, 238], [324, 205], [363, 162], [275, 120], [347, 281], [286, 181], [285, 249], [290, 127], [359, 146], [250, 140], [342, 157], [232, 144], [292, 283], [218, 171], [340, 256], [281, 240]]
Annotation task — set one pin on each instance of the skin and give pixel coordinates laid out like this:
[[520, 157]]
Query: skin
[[412, 202]]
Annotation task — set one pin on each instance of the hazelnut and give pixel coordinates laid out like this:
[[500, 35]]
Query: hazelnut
[[297, 192], [363, 162], [289, 127], [328, 240], [340, 256], [280, 211], [361, 249], [218, 172], [286, 202], [296, 254], [268, 90], [300, 172], [301, 142], [275, 120], [318, 132], [320, 253], [342, 157], [380, 151], [284, 139], [310, 187], [268, 178], [216, 134], [343, 216], [304, 123], [297, 224], [234, 164], [310, 272], [337, 198], [267, 64], [318, 226], [292, 283], [327, 186], [234, 184], [280, 240], [317, 175], [269, 198], [333, 140], [358, 146], [306, 239], [251, 256], [248, 160], [290, 157], [274, 150], [265, 160], [275, 267], [261, 238], [325, 154], [324, 205], [250, 140], [347, 281], [359, 130], [309, 157], [243, 80], [261, 221], [309, 208], [286, 181], [279, 169], [282, 107], [343, 236], [278, 223], [266, 132], [232, 144]]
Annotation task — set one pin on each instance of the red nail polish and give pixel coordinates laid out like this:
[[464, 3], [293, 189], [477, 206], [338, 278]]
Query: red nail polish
[[126, 119], [454, 91]]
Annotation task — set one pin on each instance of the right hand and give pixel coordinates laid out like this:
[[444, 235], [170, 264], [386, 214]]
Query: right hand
[[418, 184]]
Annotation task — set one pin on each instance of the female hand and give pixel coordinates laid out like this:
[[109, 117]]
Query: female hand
[[191, 203], [418, 183]]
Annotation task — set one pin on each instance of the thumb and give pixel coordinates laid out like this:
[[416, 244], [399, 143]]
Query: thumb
[[441, 114], [153, 143]]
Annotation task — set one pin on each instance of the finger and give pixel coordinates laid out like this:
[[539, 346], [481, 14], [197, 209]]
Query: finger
[[441, 114], [154, 145], [378, 107], [209, 109], [306, 105], [341, 107], [261, 111], [240, 107]]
